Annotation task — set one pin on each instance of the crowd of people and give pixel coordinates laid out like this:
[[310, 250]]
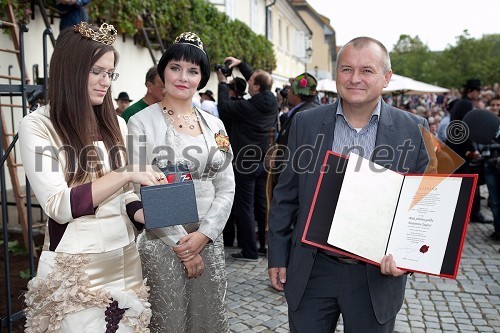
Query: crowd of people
[[479, 158], [102, 270]]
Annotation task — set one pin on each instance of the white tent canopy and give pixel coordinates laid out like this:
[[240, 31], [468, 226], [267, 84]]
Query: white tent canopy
[[409, 86], [327, 85], [398, 83]]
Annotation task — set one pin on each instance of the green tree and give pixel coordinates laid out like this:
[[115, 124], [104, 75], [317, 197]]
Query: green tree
[[410, 57], [221, 35], [469, 58]]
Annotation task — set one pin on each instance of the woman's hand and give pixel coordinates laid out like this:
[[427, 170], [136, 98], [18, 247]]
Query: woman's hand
[[144, 174], [191, 245], [194, 267], [107, 185], [139, 216]]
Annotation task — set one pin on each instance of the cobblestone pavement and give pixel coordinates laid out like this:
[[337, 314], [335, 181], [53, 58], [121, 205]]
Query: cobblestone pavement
[[471, 303]]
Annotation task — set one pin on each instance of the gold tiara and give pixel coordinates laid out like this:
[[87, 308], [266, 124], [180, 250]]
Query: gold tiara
[[106, 34], [189, 38]]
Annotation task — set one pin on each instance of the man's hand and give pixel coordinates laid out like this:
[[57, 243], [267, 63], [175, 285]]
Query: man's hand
[[388, 267], [277, 275], [234, 62]]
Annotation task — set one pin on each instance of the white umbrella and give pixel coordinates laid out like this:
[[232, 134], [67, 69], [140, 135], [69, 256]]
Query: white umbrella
[[409, 86], [327, 85]]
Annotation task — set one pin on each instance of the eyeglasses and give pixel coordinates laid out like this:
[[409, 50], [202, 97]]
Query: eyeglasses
[[111, 75]]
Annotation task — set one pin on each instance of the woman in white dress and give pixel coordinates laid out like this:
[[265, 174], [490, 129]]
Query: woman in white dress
[[89, 276], [187, 279]]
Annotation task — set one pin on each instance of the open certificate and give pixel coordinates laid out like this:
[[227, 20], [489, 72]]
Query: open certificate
[[419, 234], [368, 211], [408, 217]]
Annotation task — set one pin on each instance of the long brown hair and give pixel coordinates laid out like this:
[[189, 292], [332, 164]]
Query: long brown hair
[[76, 121]]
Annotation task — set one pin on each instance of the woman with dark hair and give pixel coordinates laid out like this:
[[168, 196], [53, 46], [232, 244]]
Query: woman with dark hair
[[89, 276], [184, 264]]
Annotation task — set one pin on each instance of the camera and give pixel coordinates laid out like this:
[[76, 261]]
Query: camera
[[284, 92], [226, 71]]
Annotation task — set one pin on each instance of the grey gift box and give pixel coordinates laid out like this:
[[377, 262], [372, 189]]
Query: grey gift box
[[169, 204]]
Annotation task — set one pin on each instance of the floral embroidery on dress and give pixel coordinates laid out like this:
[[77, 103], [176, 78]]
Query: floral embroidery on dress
[[66, 290]]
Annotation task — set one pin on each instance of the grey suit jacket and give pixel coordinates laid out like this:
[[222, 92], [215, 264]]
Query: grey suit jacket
[[313, 130]]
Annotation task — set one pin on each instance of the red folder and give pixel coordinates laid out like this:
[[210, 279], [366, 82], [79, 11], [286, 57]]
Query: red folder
[[325, 200]]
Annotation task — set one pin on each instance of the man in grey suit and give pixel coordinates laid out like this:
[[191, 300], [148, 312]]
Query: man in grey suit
[[320, 286]]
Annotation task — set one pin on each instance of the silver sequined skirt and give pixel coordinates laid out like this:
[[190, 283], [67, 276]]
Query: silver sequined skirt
[[180, 304]]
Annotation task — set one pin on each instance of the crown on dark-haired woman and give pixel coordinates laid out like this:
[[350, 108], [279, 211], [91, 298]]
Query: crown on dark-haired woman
[[189, 38], [105, 34]]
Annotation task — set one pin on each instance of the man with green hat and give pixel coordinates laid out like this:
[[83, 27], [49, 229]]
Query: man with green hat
[[302, 95]]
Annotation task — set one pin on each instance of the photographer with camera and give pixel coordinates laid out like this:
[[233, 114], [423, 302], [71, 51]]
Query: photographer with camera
[[251, 121]]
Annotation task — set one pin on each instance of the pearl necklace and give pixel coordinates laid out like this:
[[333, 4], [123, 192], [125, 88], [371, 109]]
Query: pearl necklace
[[170, 115]]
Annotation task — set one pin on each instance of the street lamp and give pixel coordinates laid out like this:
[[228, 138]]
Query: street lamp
[[309, 52]]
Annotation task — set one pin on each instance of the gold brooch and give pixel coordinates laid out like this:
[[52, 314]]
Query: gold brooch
[[222, 141], [189, 38], [105, 34]]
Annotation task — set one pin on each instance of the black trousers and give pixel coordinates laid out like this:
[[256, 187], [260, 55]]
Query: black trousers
[[472, 168], [229, 232], [249, 207], [336, 288]]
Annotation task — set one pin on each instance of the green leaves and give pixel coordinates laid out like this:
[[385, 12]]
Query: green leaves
[[21, 8], [15, 248], [25, 274], [469, 58], [222, 36]]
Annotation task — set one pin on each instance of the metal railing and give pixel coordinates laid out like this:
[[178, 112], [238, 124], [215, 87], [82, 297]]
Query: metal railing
[[22, 90]]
